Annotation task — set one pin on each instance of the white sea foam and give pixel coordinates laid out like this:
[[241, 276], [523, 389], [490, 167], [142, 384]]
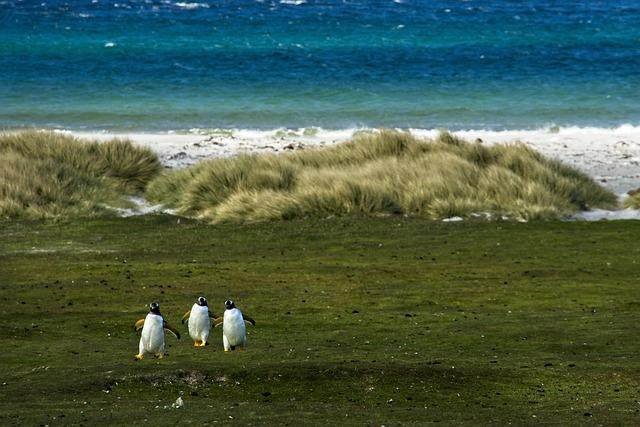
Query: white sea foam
[[184, 67], [186, 5], [547, 133], [110, 44], [293, 2]]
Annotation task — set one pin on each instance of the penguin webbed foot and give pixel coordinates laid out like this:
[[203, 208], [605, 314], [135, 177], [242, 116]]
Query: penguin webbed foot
[[138, 357]]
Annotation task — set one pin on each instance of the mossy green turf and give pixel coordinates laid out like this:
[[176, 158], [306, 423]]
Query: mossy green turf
[[362, 321]]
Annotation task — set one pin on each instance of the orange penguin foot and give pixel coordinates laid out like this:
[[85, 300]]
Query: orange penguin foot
[[138, 357]]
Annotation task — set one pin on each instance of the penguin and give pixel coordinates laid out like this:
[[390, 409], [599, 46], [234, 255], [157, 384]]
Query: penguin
[[199, 322], [234, 332], [152, 338]]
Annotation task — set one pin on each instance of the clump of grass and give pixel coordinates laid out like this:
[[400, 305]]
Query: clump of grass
[[207, 184], [133, 167], [383, 173], [633, 201], [48, 175]]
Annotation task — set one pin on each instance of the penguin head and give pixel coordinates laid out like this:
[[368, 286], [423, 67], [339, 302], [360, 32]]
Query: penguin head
[[202, 301], [154, 308], [229, 305]]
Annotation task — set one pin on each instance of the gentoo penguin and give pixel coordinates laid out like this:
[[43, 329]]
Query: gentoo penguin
[[234, 332], [199, 322], [152, 338]]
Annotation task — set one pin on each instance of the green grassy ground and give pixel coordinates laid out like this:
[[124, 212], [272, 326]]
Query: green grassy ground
[[359, 321]]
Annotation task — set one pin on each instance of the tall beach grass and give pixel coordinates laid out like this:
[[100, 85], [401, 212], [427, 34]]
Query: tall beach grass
[[633, 201], [48, 175], [382, 173]]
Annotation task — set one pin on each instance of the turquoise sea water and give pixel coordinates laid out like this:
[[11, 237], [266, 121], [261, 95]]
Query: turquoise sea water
[[155, 65]]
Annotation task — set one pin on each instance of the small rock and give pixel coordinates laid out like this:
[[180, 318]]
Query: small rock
[[178, 404], [179, 155]]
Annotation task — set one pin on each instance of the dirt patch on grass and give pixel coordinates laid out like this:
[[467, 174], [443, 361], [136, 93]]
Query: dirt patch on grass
[[190, 378]]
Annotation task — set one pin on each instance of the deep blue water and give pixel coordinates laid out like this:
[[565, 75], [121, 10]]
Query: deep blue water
[[158, 65]]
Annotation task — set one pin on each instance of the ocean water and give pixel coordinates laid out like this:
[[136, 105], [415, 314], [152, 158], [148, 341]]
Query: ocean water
[[159, 65]]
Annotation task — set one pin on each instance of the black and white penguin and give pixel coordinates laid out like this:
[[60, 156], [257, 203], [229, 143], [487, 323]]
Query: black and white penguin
[[152, 338], [234, 332], [199, 321]]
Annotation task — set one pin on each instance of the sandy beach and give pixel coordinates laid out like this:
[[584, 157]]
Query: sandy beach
[[610, 156]]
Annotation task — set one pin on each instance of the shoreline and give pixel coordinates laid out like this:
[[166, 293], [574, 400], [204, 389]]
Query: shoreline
[[610, 156]]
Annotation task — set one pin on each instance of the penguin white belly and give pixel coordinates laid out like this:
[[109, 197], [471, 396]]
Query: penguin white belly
[[152, 339], [233, 328], [199, 323]]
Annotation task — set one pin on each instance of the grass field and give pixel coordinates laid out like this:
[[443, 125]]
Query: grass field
[[360, 321]]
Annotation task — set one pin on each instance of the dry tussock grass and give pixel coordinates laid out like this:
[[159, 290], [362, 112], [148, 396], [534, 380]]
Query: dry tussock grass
[[49, 175], [380, 174]]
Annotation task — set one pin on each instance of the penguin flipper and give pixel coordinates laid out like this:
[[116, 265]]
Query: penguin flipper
[[213, 316], [139, 324], [171, 329], [248, 319], [186, 316], [218, 321]]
